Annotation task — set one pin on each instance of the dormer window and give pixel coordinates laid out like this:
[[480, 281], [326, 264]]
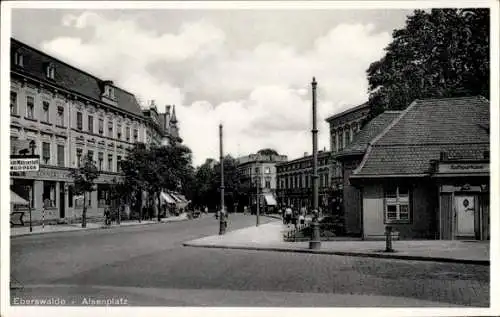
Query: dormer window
[[19, 59], [108, 90], [50, 71]]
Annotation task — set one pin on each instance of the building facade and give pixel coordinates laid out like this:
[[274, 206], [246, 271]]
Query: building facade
[[66, 114], [257, 173], [295, 182], [426, 175]]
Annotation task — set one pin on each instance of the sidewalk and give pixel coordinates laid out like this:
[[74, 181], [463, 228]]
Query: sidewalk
[[23, 231], [269, 237]]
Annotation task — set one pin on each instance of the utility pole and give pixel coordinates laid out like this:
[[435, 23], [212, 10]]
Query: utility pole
[[222, 222], [258, 201], [315, 242]]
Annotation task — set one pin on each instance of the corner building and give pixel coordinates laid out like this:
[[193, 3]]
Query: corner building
[[69, 113]]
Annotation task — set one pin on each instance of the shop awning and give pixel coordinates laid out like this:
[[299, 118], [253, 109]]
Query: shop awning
[[270, 201], [167, 198], [183, 198], [15, 199]]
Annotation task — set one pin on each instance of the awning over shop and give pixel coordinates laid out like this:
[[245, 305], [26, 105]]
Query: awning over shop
[[166, 197], [15, 199], [270, 201]]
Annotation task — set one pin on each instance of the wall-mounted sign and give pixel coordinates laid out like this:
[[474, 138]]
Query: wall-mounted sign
[[460, 168], [24, 164]]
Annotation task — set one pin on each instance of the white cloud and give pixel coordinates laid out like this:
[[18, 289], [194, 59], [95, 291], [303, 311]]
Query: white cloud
[[271, 80]]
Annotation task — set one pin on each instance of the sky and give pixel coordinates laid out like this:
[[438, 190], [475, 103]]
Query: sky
[[247, 69]]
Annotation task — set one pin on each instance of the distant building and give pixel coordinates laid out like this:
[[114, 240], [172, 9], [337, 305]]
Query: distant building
[[68, 113], [258, 170], [295, 182], [426, 174], [162, 128]]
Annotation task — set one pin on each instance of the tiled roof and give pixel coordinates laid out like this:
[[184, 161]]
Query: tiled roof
[[426, 128], [361, 106], [69, 77], [373, 128]]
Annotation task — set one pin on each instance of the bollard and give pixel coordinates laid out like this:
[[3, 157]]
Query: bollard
[[388, 239]]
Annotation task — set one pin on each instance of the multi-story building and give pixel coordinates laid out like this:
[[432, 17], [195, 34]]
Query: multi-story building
[[257, 173], [295, 182], [161, 128], [67, 113]]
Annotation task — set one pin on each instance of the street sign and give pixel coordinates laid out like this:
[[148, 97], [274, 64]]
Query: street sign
[[28, 163]]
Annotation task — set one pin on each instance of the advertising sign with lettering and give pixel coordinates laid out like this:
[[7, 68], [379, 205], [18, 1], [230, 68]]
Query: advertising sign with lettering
[[24, 164]]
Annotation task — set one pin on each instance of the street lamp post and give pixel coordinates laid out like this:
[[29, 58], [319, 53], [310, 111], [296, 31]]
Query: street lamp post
[[315, 242], [222, 222], [257, 223]]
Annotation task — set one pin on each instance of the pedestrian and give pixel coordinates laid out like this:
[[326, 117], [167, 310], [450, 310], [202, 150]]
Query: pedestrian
[[302, 219], [294, 219], [206, 210], [288, 215]]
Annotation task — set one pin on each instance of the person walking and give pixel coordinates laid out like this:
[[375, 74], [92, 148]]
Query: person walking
[[288, 215]]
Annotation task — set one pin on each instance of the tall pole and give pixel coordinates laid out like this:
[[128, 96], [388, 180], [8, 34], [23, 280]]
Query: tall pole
[[222, 222], [258, 202], [315, 242]]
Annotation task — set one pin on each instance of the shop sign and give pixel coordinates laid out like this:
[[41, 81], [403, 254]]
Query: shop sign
[[461, 168], [28, 164]]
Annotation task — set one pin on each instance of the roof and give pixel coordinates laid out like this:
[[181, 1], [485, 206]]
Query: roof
[[69, 77], [362, 106], [373, 128], [321, 154], [424, 130]]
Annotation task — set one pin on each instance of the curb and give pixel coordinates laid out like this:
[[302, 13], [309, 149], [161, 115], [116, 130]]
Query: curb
[[89, 229], [346, 253]]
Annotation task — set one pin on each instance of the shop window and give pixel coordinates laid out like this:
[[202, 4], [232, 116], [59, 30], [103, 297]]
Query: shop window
[[397, 205], [102, 196], [49, 193]]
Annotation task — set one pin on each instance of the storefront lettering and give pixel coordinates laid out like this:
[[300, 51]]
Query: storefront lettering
[[465, 167]]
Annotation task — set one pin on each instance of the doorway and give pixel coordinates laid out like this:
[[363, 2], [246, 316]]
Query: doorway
[[62, 202], [465, 216]]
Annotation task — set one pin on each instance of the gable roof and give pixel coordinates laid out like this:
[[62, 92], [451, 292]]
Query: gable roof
[[69, 77], [424, 130], [373, 128]]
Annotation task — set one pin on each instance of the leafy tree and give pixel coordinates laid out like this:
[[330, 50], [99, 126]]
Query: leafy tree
[[231, 181], [157, 168], [84, 178], [442, 53]]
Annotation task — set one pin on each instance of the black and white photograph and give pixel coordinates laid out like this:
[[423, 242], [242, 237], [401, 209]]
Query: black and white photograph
[[259, 156]]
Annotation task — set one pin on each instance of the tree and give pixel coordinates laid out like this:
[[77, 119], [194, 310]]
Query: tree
[[157, 168], [438, 54], [231, 181], [84, 178], [267, 152]]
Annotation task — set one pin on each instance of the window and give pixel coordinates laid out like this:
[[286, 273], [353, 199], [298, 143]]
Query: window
[[127, 134], [19, 59], [101, 158], [103, 195], [79, 120], [78, 157], [397, 205], [119, 131], [60, 116], [50, 71], [46, 152], [118, 162], [91, 124], [49, 193], [136, 135], [91, 155], [46, 107], [101, 126], [30, 106], [267, 170], [13, 102], [110, 129], [257, 170], [268, 183], [60, 155], [110, 162]]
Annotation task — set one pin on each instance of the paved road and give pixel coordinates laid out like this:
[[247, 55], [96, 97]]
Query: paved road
[[147, 265]]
